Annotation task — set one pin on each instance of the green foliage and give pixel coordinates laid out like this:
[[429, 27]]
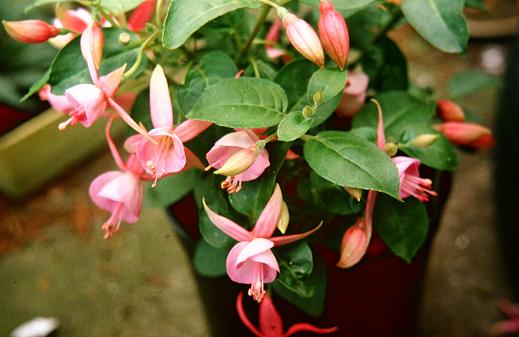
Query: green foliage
[[440, 22], [171, 189], [209, 261], [114, 6], [346, 7], [69, 68], [348, 160], [333, 198], [406, 117], [186, 16], [295, 264], [471, 81], [294, 78], [242, 103], [293, 126], [402, 225]]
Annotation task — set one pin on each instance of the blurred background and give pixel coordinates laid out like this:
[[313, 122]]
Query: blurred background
[[54, 262]]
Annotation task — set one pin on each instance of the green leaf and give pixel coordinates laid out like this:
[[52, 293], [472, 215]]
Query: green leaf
[[402, 226], [69, 68], [171, 189], [348, 160], [186, 16], [477, 4], [255, 194], [333, 197], [294, 78], [405, 117], [469, 82], [213, 67], [38, 3], [37, 85], [369, 22], [293, 126], [120, 6], [208, 260], [317, 280], [295, 263], [440, 22], [346, 7], [242, 103]]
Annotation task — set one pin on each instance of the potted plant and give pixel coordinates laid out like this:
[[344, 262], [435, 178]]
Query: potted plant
[[301, 164]]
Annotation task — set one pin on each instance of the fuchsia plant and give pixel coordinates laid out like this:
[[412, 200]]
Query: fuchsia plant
[[262, 108]]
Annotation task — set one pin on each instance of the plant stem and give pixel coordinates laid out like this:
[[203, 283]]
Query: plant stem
[[261, 20], [138, 62], [270, 3], [107, 16], [158, 7], [255, 67]]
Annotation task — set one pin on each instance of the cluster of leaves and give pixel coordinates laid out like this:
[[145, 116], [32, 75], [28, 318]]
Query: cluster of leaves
[[209, 47]]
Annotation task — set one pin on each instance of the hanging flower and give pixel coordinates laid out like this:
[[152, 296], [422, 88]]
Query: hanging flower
[[334, 33], [410, 182], [353, 95], [251, 260]]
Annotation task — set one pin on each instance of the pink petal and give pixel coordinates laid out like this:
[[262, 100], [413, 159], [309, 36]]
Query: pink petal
[[141, 15], [218, 155], [160, 100], [89, 99], [167, 154], [92, 43], [227, 226], [190, 128], [97, 185], [286, 239], [268, 219], [505, 327], [381, 137], [244, 272], [254, 247], [307, 327], [406, 165], [257, 168], [70, 21], [57, 102], [509, 309], [243, 316], [270, 321], [132, 142], [354, 244], [110, 83], [242, 139]]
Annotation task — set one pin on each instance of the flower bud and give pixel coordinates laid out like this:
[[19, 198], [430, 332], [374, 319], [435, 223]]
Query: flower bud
[[355, 193], [303, 37], [467, 134], [284, 218], [308, 111], [238, 162], [92, 44], [424, 140], [390, 149], [30, 31], [334, 33], [449, 111], [318, 98], [354, 244]]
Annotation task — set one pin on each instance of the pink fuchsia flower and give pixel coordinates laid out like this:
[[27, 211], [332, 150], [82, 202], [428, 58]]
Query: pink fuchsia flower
[[511, 325], [251, 260], [467, 134], [248, 161], [303, 37], [448, 111], [141, 15], [75, 20], [410, 182], [30, 31], [119, 192], [334, 33], [270, 322], [353, 95], [161, 151], [57, 102]]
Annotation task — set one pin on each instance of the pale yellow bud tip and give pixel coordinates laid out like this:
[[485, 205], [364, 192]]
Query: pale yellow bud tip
[[238, 162], [424, 140]]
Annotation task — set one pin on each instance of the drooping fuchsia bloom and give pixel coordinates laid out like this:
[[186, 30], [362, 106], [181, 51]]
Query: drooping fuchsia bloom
[[410, 182], [30, 31], [119, 192], [141, 15], [74, 20], [248, 161], [303, 37], [161, 151], [449, 111], [251, 260], [270, 322], [334, 33], [511, 325], [353, 95], [57, 102], [467, 134]]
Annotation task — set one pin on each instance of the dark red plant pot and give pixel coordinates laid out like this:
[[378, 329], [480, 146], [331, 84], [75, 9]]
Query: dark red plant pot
[[380, 297]]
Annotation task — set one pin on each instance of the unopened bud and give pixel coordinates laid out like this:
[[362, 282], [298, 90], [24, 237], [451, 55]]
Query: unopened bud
[[334, 33], [425, 140], [391, 149], [92, 44], [355, 193], [354, 244], [284, 218], [30, 31], [303, 37], [238, 162], [449, 111], [124, 39], [308, 111], [318, 98], [467, 134]]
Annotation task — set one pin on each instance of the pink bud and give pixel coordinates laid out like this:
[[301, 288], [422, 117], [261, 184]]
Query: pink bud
[[92, 43], [334, 33], [30, 31], [467, 134], [449, 111], [354, 244], [141, 15], [303, 37], [70, 21]]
